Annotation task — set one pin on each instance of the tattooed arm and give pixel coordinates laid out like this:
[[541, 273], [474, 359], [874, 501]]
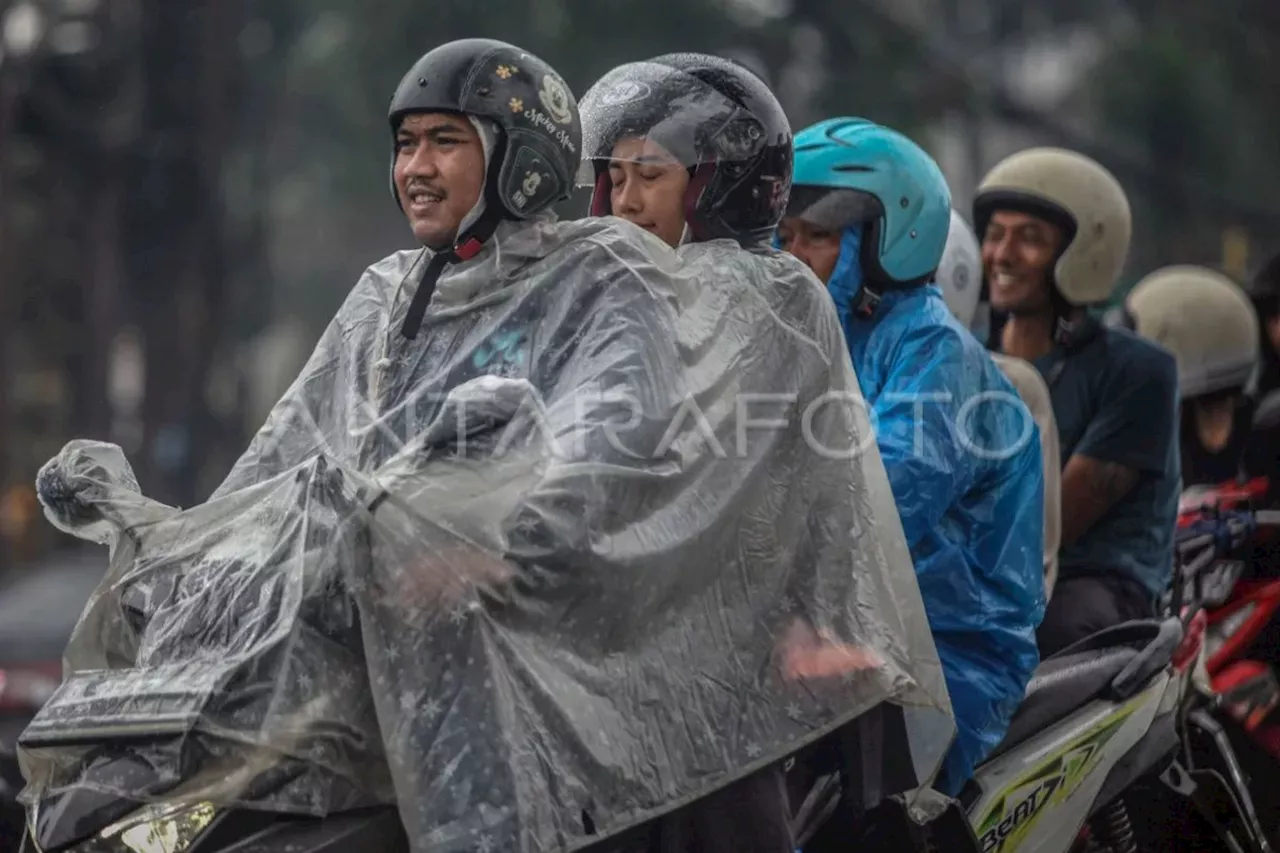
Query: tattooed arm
[[1133, 432], [1091, 487]]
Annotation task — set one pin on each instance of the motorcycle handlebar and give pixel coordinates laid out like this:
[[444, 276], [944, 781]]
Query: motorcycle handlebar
[[1197, 553], [1231, 529], [1267, 517]]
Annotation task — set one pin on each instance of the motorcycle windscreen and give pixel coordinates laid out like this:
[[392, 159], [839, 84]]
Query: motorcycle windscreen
[[220, 659], [632, 542]]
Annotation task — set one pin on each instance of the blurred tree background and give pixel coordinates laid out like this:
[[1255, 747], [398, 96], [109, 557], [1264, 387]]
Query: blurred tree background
[[188, 188]]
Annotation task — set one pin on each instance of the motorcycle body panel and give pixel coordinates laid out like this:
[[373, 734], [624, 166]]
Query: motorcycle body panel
[[1236, 627], [1243, 629], [1036, 797]]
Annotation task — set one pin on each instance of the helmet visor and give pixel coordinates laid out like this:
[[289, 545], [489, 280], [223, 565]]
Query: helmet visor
[[832, 208], [650, 112]]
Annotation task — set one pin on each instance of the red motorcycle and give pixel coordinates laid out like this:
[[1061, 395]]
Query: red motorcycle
[[1243, 629], [1241, 597]]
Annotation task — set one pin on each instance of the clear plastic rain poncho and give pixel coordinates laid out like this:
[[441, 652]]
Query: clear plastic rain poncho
[[593, 545]]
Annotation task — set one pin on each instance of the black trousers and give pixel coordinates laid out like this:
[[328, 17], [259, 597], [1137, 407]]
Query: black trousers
[[1083, 605], [750, 816]]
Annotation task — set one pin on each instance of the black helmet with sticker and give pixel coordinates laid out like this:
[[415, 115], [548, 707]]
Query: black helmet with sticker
[[714, 117], [537, 116], [536, 153]]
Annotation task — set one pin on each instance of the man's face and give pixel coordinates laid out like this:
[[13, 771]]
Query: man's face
[[439, 174], [818, 247], [1018, 254], [648, 186]]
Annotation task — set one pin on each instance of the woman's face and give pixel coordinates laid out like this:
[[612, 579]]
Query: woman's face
[[648, 187]]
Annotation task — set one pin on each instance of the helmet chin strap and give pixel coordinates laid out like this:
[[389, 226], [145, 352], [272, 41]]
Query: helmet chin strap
[[867, 300]]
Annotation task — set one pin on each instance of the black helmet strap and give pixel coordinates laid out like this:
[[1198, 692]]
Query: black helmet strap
[[467, 247]]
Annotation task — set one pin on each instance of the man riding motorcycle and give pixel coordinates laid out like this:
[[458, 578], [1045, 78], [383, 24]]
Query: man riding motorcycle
[[960, 277], [575, 557], [1211, 326], [1055, 230], [1207, 322], [870, 214]]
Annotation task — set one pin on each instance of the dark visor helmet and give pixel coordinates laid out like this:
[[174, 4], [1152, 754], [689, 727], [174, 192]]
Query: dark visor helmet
[[711, 115]]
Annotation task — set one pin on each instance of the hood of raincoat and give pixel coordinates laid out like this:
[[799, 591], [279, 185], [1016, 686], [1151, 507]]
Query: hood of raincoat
[[601, 540]]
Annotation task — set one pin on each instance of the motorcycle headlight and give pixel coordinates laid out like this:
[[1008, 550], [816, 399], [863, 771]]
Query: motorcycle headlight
[[163, 828]]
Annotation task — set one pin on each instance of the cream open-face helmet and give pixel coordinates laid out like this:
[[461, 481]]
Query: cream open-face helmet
[[1081, 197], [1205, 320]]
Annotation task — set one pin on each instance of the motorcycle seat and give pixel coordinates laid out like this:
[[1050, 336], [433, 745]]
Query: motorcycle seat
[[1062, 685], [1114, 663], [1156, 641]]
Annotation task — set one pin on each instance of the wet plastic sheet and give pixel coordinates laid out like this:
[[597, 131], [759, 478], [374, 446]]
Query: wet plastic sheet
[[613, 531], [222, 648]]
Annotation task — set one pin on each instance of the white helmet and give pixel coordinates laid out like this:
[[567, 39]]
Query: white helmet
[[1205, 320], [1076, 193], [960, 271]]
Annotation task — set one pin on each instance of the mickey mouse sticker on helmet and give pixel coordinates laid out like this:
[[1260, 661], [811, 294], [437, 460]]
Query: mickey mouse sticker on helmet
[[556, 99]]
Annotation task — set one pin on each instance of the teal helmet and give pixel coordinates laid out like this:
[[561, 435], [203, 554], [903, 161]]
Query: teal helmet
[[850, 171]]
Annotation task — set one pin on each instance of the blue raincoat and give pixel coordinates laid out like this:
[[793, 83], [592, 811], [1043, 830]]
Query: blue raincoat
[[965, 466]]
